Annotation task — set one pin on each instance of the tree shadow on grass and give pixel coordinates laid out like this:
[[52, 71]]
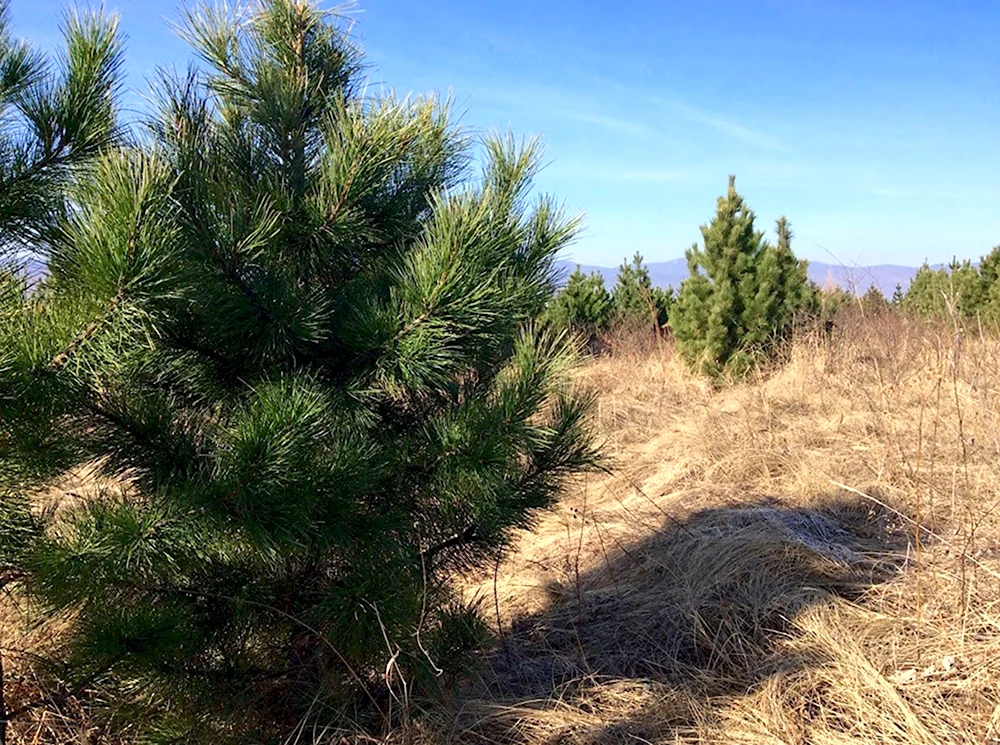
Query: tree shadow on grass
[[702, 609]]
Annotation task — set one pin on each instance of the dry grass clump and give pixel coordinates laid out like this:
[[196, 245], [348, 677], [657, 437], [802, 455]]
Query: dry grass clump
[[809, 557]]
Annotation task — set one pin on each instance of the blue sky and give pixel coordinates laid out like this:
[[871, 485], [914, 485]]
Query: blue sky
[[872, 124]]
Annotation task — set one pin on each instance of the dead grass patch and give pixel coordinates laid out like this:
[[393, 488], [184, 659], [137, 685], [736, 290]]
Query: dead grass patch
[[808, 557]]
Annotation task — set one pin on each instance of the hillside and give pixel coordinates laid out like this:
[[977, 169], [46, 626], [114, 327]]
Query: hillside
[[672, 273]]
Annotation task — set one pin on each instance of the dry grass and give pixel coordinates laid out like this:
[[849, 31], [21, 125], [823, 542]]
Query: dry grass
[[811, 557]]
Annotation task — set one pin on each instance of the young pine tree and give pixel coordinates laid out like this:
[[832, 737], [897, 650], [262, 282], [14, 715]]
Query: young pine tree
[[927, 292], [832, 301], [873, 302], [583, 306], [897, 296], [989, 272], [743, 294], [295, 339], [636, 303], [799, 296], [989, 267], [959, 290]]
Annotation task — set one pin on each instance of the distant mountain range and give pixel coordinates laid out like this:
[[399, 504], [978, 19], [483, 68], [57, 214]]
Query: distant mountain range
[[853, 278], [672, 273]]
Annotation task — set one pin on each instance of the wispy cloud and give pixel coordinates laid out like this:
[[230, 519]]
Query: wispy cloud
[[617, 125], [720, 124], [580, 170], [578, 107]]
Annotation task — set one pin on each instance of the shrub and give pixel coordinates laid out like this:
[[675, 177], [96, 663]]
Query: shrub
[[295, 339], [833, 301], [743, 294]]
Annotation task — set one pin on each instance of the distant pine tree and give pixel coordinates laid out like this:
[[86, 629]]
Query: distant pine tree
[[989, 267], [635, 301], [296, 339], [743, 295], [873, 302], [897, 296], [583, 306], [960, 290], [927, 292], [989, 272]]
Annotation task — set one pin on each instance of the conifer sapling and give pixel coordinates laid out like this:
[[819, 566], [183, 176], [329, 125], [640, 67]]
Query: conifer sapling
[[294, 336], [743, 294]]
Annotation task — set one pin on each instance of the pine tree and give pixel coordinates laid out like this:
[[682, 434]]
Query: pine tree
[[897, 296], [927, 291], [743, 295], [969, 291], [958, 290], [989, 272], [294, 335], [831, 301], [635, 301], [583, 306], [663, 301], [989, 267], [54, 119], [873, 302]]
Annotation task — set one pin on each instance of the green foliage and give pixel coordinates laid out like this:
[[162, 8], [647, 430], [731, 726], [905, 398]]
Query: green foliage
[[743, 294], [989, 267], [636, 302], [927, 292], [583, 306], [54, 118], [873, 301], [989, 273], [961, 290], [298, 332], [897, 296], [835, 299]]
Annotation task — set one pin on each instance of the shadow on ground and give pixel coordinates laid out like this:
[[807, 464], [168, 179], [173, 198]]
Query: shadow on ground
[[702, 609]]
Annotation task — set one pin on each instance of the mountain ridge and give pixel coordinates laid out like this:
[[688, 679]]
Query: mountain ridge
[[671, 273], [853, 278]]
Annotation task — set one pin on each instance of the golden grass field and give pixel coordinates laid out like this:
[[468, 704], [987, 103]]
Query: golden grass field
[[809, 557], [812, 556]]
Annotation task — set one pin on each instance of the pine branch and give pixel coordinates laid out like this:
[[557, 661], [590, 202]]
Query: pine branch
[[466, 537], [94, 326], [87, 332]]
